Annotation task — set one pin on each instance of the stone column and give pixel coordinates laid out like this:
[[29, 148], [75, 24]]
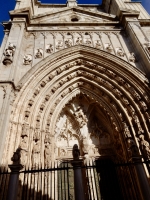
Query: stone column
[[142, 178], [78, 183], [13, 181]]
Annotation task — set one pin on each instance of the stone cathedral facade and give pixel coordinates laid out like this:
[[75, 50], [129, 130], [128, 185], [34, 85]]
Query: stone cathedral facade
[[74, 74]]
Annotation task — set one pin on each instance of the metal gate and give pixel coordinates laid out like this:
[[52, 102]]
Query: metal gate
[[102, 180]]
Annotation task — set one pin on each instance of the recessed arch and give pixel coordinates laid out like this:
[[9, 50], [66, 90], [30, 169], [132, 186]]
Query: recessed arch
[[113, 84]]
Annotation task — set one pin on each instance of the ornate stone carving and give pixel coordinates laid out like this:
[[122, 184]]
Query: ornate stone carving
[[49, 48], [132, 148], [108, 47], [37, 134], [145, 147], [78, 41], [80, 117], [59, 44], [39, 53], [120, 52], [132, 57], [85, 143], [126, 130], [35, 155], [23, 150], [47, 155], [98, 44], [27, 60], [9, 53], [88, 42], [25, 130], [68, 42]]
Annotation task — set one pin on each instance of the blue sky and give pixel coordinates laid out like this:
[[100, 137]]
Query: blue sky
[[7, 5]]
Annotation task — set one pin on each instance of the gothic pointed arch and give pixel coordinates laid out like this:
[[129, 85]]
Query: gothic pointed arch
[[79, 95]]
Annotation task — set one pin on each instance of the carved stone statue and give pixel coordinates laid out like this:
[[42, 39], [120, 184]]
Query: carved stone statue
[[25, 130], [23, 150], [47, 155], [120, 52], [76, 152], [9, 53], [145, 147], [98, 44], [39, 53], [126, 130], [109, 47], [78, 41], [35, 155], [68, 42], [59, 44], [36, 135], [132, 57], [27, 60], [88, 42], [49, 48], [132, 148]]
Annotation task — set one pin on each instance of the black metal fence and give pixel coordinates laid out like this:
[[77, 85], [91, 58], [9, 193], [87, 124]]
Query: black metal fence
[[102, 179]]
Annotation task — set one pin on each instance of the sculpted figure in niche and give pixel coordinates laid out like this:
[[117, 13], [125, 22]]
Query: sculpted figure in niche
[[47, 155], [68, 42], [76, 152], [9, 53], [25, 130], [145, 147], [88, 42], [23, 150], [59, 44], [132, 148], [98, 44], [126, 130], [39, 53], [132, 57], [120, 52], [109, 47], [49, 48], [36, 135], [27, 60], [35, 155], [78, 41]]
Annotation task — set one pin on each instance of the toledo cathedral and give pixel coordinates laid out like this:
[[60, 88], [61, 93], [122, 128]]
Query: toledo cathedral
[[75, 102]]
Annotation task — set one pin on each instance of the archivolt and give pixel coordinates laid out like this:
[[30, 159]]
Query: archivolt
[[121, 89]]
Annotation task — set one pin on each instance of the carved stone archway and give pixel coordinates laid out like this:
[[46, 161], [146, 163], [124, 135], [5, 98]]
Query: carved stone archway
[[120, 89]]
